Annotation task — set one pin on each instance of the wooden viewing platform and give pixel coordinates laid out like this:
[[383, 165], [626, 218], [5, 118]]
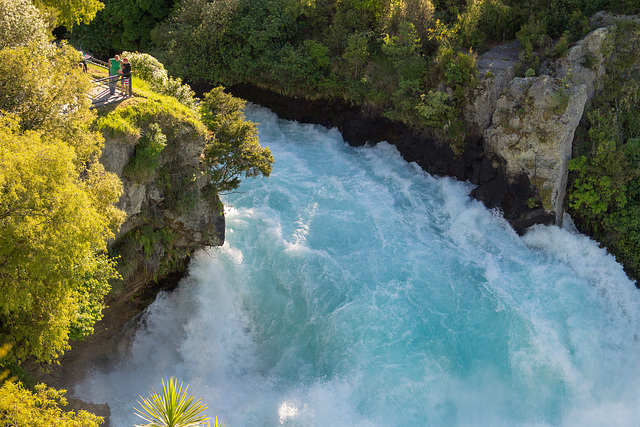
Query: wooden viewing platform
[[100, 95]]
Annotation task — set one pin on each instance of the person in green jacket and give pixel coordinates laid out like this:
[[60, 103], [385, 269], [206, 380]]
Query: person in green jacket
[[114, 73]]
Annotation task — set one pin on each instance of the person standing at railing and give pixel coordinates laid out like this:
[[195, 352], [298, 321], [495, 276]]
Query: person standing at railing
[[114, 73], [83, 62], [126, 77]]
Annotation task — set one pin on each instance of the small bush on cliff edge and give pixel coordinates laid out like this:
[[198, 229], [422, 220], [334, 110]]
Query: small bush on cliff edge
[[233, 149]]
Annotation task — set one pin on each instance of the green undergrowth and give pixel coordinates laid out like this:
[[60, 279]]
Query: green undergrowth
[[151, 248], [127, 119], [146, 157], [604, 186]]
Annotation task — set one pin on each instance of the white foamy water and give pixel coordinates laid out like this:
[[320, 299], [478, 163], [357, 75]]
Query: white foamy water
[[356, 290]]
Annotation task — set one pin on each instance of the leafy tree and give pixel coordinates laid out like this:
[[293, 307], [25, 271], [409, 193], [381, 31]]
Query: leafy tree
[[56, 204], [234, 149], [73, 12], [357, 54], [21, 24], [39, 408], [47, 91], [121, 25], [172, 408], [54, 223]]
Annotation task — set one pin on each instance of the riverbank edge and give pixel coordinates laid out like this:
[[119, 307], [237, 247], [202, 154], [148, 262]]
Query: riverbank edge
[[358, 126]]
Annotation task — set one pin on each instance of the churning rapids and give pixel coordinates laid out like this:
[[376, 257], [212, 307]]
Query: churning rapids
[[356, 290]]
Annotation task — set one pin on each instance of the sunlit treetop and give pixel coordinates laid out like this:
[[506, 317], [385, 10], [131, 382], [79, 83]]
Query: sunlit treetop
[[73, 12], [21, 24]]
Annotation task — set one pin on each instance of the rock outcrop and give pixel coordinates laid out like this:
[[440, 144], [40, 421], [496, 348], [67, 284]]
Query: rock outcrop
[[199, 223], [166, 210], [532, 131], [535, 119], [584, 62], [496, 69]]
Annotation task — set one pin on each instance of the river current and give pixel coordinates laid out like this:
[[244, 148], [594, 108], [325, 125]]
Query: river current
[[356, 290]]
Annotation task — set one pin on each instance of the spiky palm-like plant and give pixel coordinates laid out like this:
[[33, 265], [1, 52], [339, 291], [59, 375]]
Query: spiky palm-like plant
[[172, 409]]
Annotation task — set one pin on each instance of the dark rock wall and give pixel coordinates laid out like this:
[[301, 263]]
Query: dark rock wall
[[359, 127]]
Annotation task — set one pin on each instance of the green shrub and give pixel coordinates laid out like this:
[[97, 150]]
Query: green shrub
[[435, 109], [21, 24], [562, 45], [146, 157], [497, 20], [460, 74], [151, 70]]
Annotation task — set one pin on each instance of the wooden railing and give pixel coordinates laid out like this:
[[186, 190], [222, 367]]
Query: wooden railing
[[99, 98]]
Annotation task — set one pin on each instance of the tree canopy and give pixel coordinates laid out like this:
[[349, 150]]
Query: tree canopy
[[56, 204], [73, 12], [20, 24], [39, 408], [234, 149]]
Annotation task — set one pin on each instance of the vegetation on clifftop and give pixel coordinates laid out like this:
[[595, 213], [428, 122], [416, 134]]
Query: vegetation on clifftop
[[401, 58], [604, 191]]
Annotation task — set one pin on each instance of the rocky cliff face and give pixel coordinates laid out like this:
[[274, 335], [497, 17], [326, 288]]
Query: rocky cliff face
[[496, 69], [535, 119], [532, 131], [168, 217]]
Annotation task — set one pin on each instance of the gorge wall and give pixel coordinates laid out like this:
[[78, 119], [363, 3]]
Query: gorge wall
[[520, 129]]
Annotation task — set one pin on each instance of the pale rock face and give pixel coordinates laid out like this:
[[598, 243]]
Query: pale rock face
[[584, 62], [195, 227], [534, 119], [532, 130], [495, 71]]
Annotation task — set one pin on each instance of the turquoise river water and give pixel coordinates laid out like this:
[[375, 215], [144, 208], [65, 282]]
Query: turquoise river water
[[356, 290]]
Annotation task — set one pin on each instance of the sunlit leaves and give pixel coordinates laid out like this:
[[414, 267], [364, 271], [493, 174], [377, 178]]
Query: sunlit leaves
[[234, 149], [40, 408], [20, 24], [73, 12], [53, 229], [56, 204]]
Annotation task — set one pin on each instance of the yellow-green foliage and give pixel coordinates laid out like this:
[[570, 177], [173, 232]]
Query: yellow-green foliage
[[56, 204], [132, 120], [39, 408], [21, 24], [46, 91], [53, 229], [73, 12]]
